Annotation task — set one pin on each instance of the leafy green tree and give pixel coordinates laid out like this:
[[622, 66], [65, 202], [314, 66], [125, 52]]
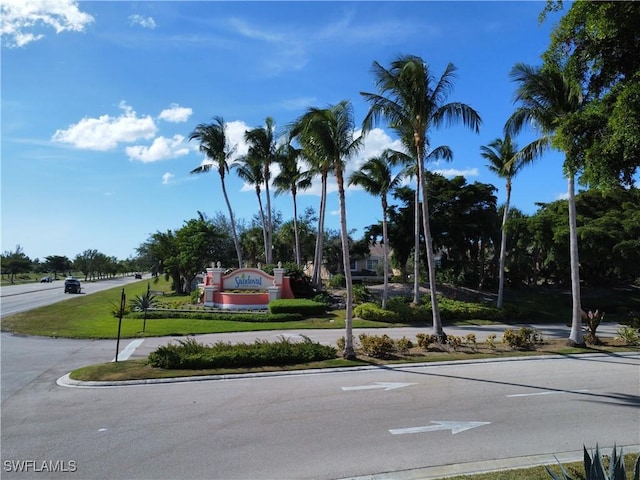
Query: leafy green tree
[[215, 146], [87, 262], [501, 154], [197, 243], [412, 101], [597, 43], [376, 178], [330, 132], [546, 98], [58, 263], [14, 263], [292, 179]]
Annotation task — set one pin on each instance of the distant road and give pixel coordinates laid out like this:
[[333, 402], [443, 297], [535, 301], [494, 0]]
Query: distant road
[[20, 298]]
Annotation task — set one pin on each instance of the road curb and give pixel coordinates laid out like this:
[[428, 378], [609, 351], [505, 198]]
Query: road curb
[[67, 381], [488, 466]]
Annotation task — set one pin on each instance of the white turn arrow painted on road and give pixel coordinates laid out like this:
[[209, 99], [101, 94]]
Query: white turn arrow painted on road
[[379, 385], [455, 427]]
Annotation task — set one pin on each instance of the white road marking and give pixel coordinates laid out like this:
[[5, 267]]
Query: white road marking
[[455, 427], [128, 351], [379, 385], [545, 393]]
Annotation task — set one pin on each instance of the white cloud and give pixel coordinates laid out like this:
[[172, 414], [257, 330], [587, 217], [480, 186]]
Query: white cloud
[[167, 177], [562, 196], [455, 172], [144, 22], [175, 113], [18, 19], [105, 132], [162, 148], [235, 138]]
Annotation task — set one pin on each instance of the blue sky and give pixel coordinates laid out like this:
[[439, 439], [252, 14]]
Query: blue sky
[[99, 98]]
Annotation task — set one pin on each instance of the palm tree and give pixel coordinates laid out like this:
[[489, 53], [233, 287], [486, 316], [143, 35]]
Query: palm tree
[[320, 165], [250, 169], [547, 98], [291, 179], [330, 131], [375, 177], [412, 102], [262, 145], [214, 144], [504, 162]]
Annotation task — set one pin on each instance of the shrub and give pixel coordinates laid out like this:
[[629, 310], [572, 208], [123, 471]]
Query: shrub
[[425, 340], [189, 354], [524, 338], [302, 306], [491, 341], [454, 342], [337, 281], [204, 315], [361, 294], [630, 335], [377, 346], [403, 345], [372, 312], [594, 467], [593, 320]]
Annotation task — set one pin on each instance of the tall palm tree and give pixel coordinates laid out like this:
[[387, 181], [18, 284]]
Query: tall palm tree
[[412, 101], [320, 166], [214, 144], [375, 177], [504, 162], [331, 132], [292, 179], [263, 145], [250, 169], [547, 97]]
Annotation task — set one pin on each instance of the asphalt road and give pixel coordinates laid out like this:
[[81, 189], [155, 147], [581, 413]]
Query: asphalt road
[[317, 426]]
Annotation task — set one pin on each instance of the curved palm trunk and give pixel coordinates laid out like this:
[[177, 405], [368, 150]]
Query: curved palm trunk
[[435, 310], [576, 337], [503, 247], [295, 228], [349, 352], [385, 250], [316, 279], [233, 224], [416, 245]]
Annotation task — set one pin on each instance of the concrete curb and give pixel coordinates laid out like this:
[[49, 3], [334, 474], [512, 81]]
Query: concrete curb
[[488, 466], [67, 381]]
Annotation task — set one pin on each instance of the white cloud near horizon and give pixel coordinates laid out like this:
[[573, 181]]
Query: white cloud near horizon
[[162, 148], [106, 132], [175, 114], [144, 22], [19, 19]]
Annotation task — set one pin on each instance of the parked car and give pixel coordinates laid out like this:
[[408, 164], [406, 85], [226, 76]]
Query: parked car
[[72, 285], [45, 280]]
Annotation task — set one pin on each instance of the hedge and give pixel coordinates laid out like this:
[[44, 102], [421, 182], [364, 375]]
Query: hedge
[[235, 317], [301, 306]]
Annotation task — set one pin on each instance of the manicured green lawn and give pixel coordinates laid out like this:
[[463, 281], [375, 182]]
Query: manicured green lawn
[[91, 316]]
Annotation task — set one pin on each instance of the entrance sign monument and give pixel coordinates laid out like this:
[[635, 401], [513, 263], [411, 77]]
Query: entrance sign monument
[[244, 288]]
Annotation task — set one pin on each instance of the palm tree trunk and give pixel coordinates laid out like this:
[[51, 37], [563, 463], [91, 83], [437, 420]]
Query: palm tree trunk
[[264, 227], [416, 246], [437, 322], [503, 247], [269, 253], [576, 337], [233, 224], [316, 280], [295, 228], [349, 352], [385, 252]]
